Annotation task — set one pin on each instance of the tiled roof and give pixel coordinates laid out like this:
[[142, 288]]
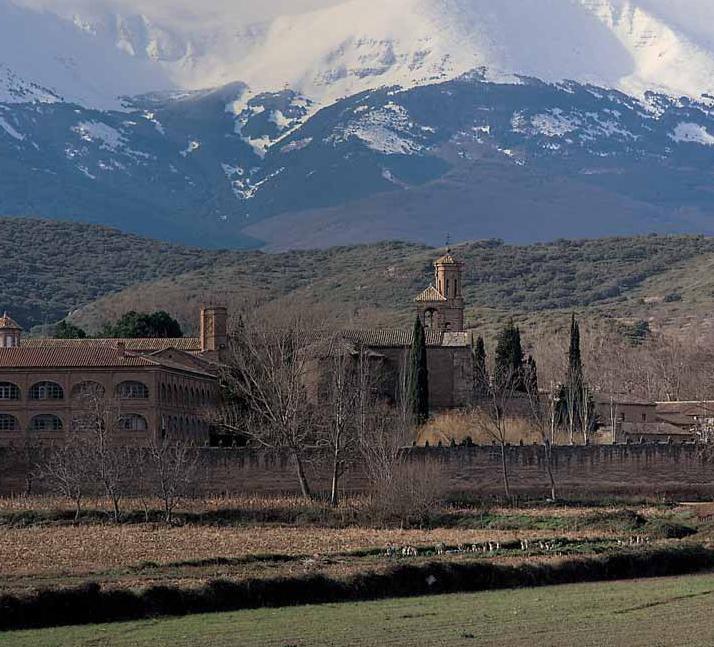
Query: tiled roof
[[619, 398], [387, 338], [652, 429], [456, 339], [188, 344], [446, 259], [83, 357], [702, 409], [9, 323], [430, 294]]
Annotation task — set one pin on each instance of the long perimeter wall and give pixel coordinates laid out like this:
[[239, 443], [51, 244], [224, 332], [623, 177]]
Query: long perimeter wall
[[651, 470]]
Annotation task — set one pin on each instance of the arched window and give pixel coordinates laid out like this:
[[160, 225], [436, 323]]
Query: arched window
[[46, 391], [46, 422], [429, 318], [8, 422], [9, 391], [133, 391], [133, 422], [88, 389]]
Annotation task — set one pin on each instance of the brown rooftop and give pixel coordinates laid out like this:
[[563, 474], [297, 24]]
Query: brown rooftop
[[446, 259], [388, 338], [187, 344], [430, 294], [8, 323], [83, 357]]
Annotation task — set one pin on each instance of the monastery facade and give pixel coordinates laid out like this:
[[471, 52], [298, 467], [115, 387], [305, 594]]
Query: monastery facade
[[165, 386]]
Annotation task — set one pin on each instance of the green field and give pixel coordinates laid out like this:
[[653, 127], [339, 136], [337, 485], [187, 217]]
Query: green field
[[656, 612]]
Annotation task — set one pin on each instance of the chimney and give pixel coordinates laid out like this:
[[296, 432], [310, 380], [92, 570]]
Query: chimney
[[121, 347], [214, 328]]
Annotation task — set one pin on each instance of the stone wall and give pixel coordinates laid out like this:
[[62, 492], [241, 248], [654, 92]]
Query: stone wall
[[581, 472]]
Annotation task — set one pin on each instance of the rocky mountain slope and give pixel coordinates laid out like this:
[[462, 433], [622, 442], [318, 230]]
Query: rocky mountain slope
[[315, 122]]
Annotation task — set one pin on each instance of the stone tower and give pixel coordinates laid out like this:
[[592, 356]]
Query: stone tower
[[441, 305], [10, 332], [214, 329]]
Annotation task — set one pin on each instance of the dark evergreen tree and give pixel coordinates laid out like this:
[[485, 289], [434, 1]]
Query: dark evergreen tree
[[481, 377], [508, 371], [134, 325], [418, 375], [66, 330], [575, 362], [576, 405]]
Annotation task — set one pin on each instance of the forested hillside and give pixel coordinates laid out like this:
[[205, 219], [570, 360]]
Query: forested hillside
[[51, 269]]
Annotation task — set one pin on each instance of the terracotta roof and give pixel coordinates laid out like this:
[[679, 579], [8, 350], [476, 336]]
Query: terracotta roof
[[652, 429], [188, 344], [9, 323], [446, 259], [700, 408], [387, 338], [82, 357], [430, 294], [619, 398], [456, 339]]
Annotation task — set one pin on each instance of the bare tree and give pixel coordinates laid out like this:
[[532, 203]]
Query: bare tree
[[67, 469], [111, 462], [268, 374], [496, 407], [544, 414], [172, 466], [346, 405]]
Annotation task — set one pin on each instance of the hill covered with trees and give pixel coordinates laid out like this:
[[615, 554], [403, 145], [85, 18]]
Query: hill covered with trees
[[51, 269]]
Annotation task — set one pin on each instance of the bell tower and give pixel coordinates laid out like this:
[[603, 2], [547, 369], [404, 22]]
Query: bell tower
[[441, 305], [10, 332]]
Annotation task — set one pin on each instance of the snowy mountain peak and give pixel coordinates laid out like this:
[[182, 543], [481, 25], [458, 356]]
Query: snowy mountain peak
[[327, 49]]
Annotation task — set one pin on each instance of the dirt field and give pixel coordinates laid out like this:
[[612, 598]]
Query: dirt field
[[40, 548]]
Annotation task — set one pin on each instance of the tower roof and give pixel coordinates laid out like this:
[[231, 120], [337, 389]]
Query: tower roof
[[7, 323], [446, 259], [430, 294]]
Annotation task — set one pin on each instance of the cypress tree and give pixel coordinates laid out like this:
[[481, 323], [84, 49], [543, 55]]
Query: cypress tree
[[574, 378], [418, 382], [481, 379], [509, 358]]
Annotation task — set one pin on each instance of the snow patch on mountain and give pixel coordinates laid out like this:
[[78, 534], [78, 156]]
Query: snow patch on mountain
[[387, 130], [10, 130], [107, 137], [692, 133]]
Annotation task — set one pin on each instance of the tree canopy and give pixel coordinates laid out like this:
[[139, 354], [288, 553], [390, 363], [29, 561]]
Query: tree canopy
[[134, 325]]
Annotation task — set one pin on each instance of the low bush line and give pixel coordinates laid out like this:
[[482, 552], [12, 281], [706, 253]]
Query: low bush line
[[91, 603]]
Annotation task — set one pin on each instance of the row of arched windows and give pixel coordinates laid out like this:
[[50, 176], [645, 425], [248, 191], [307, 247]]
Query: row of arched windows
[[183, 425], [184, 395], [51, 422], [130, 390]]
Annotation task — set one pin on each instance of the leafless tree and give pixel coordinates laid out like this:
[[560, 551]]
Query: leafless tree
[[66, 468], [544, 414], [496, 407], [346, 406], [111, 462], [172, 465], [268, 374]]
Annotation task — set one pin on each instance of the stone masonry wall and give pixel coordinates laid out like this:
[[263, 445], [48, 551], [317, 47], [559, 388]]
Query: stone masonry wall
[[651, 470]]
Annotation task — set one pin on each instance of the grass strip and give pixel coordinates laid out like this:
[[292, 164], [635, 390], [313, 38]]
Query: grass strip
[[91, 603]]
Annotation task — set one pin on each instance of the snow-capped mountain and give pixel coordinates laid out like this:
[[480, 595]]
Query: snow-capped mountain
[[310, 122], [94, 51]]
